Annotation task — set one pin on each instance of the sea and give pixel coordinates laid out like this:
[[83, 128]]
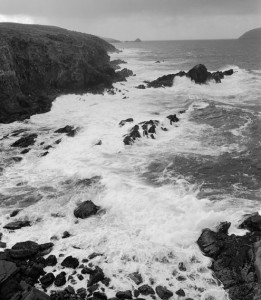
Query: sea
[[156, 195]]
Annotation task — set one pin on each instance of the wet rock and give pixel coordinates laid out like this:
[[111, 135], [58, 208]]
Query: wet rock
[[93, 255], [228, 72], [93, 288], [217, 76], [106, 281], [96, 276], [51, 260], [173, 118], [2, 245], [70, 290], [47, 280], [86, 209], [141, 87], [17, 158], [86, 270], [15, 213], [182, 267], [181, 293], [44, 153], [58, 141], [209, 243], [223, 227], [25, 141], [123, 74], [252, 223], [24, 250], [65, 235], [99, 295], [124, 295], [48, 147], [163, 292], [146, 290], [35, 294], [60, 279], [136, 293], [7, 269], [68, 130], [82, 292], [199, 74], [136, 277], [123, 122], [25, 151], [99, 143], [70, 262]]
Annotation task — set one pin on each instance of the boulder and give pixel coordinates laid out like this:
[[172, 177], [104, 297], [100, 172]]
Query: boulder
[[199, 74], [47, 280], [228, 72], [7, 269], [70, 262], [25, 141], [124, 295], [96, 276], [163, 292], [86, 209], [51, 260], [209, 244], [60, 279], [173, 118], [136, 277], [68, 130], [146, 290], [24, 250], [252, 223]]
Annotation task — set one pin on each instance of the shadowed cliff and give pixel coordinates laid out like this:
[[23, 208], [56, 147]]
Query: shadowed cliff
[[252, 34], [38, 63]]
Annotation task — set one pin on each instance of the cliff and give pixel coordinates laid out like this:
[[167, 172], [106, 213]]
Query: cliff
[[252, 34], [38, 63]]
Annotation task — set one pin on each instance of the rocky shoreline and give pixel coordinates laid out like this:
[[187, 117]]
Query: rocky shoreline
[[236, 259]]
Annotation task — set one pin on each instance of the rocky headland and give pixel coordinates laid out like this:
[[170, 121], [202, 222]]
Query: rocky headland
[[38, 63]]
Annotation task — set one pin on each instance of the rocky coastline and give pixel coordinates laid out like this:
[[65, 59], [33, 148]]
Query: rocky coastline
[[236, 260], [39, 63]]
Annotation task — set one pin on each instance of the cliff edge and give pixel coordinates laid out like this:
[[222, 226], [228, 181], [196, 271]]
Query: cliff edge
[[251, 34], [38, 63]]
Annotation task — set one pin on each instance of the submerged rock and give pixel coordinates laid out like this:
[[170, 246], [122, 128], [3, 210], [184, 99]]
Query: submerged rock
[[86, 209], [68, 130], [17, 225], [25, 141], [136, 277], [123, 122], [163, 292]]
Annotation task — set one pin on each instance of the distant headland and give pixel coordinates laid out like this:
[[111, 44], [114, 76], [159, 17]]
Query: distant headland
[[252, 34]]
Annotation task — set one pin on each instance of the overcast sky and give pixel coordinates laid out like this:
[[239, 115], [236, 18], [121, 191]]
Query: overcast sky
[[146, 19]]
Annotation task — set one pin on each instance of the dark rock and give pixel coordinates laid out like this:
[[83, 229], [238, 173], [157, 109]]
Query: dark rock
[[93, 255], [124, 295], [24, 250], [123, 122], [25, 141], [15, 213], [70, 290], [96, 276], [199, 74], [136, 293], [252, 223], [82, 292], [146, 290], [2, 245], [136, 277], [99, 143], [80, 277], [173, 118], [123, 74], [38, 63], [47, 280], [86, 270], [7, 269], [223, 227], [228, 72], [88, 181], [209, 243], [35, 294], [127, 140], [48, 147], [60, 279], [69, 130], [141, 87], [180, 293], [99, 295], [106, 281], [58, 141], [65, 235], [25, 151], [93, 288], [70, 262], [51, 260], [182, 267], [217, 76], [44, 153], [45, 246], [86, 209], [17, 158], [163, 292], [163, 81]]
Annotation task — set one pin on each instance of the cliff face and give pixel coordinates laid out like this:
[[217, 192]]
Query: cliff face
[[37, 63], [252, 34]]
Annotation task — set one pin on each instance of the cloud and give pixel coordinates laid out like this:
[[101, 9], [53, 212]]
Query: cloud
[[148, 19]]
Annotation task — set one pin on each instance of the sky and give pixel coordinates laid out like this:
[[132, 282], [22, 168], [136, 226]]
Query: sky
[[144, 19]]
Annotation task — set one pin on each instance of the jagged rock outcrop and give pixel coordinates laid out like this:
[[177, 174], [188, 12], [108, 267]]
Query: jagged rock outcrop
[[38, 63], [199, 74], [236, 259]]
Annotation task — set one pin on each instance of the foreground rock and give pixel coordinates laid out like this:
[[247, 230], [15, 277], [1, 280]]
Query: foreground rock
[[25, 141], [199, 74], [236, 259], [38, 63], [86, 209]]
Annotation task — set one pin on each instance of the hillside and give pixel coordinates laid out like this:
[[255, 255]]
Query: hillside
[[38, 63], [252, 34]]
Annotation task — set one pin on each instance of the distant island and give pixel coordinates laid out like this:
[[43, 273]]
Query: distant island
[[251, 34], [137, 40]]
